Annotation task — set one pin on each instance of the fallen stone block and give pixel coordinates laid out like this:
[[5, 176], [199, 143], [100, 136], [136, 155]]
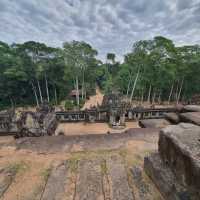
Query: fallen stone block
[[164, 179], [192, 108], [172, 117], [153, 123], [191, 117], [179, 148]]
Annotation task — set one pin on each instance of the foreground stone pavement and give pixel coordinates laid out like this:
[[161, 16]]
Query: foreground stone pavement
[[92, 169], [102, 178]]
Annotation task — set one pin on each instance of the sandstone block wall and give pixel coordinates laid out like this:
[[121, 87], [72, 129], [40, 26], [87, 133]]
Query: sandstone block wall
[[179, 148]]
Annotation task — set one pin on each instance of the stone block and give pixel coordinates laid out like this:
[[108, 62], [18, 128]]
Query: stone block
[[154, 123], [191, 117], [172, 117], [179, 148], [192, 108], [165, 180]]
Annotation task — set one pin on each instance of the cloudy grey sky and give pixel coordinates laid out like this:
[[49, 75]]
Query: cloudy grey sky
[[108, 25]]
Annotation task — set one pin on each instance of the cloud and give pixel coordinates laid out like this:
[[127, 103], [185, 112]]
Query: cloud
[[108, 25]]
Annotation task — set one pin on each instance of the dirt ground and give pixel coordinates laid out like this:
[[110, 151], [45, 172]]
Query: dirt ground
[[94, 100], [82, 128]]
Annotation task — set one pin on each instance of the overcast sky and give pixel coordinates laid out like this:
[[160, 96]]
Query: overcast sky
[[108, 25]]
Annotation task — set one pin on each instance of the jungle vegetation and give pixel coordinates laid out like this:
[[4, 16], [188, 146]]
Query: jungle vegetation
[[154, 70]]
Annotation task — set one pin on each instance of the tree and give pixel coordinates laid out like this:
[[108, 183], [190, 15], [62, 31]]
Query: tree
[[154, 70], [78, 57], [111, 57]]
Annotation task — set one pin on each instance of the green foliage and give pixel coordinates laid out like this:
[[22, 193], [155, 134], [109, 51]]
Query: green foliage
[[15, 168], [32, 70], [46, 173], [161, 65], [69, 105]]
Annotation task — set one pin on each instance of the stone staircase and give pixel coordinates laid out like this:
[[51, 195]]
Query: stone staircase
[[97, 178]]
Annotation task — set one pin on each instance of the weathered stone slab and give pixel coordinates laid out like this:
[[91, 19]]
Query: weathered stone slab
[[142, 189], [118, 179], [191, 117], [179, 147], [55, 187], [164, 179], [154, 123], [172, 117], [192, 108], [89, 181], [49, 144], [6, 178]]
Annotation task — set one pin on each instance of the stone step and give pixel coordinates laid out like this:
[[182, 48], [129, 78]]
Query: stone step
[[89, 181], [117, 175], [98, 178], [54, 144], [144, 189], [55, 186]]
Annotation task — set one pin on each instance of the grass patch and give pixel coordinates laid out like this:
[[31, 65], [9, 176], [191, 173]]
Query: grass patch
[[104, 168], [45, 173], [123, 153], [73, 164], [36, 193], [19, 167], [92, 154]]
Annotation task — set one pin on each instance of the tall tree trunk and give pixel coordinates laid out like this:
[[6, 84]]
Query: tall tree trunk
[[39, 88], [154, 96], [134, 85], [170, 95], [74, 82], [11, 102], [149, 94], [129, 83], [83, 86], [142, 97], [180, 90], [55, 93], [35, 94], [47, 89], [159, 97], [176, 92], [77, 91]]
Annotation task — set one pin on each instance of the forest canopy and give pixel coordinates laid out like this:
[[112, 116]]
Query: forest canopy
[[154, 70]]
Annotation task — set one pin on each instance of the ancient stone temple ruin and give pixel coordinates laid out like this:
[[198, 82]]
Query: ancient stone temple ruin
[[116, 110]]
